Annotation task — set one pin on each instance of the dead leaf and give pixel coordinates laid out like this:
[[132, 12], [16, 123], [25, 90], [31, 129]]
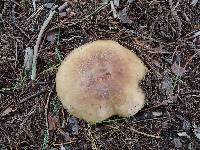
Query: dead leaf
[[116, 3], [49, 5], [177, 69], [157, 114], [53, 122], [167, 84], [194, 2], [130, 1], [177, 143], [183, 134], [196, 34], [51, 37], [123, 16], [73, 122], [63, 14], [62, 147]]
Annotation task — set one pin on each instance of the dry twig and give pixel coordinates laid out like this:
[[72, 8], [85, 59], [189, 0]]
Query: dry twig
[[139, 132], [145, 134], [175, 15], [46, 110], [36, 47]]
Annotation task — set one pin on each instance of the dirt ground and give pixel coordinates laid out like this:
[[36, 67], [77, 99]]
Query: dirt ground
[[165, 34]]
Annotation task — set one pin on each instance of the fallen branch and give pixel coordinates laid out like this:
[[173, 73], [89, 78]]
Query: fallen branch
[[36, 47]]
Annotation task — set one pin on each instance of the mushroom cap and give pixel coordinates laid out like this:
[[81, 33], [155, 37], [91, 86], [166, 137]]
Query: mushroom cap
[[101, 79]]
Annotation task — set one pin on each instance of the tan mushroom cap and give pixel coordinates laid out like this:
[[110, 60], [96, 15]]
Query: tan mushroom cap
[[100, 79]]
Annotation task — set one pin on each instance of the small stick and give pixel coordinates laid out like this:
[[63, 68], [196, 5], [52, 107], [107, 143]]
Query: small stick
[[190, 59], [60, 144], [47, 105], [32, 96], [46, 109], [36, 13], [22, 31], [113, 9], [16, 3], [139, 132], [145, 134], [34, 5], [175, 15], [16, 54]]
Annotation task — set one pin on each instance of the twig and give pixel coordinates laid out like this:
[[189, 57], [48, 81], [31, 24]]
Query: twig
[[92, 138], [22, 31], [34, 5], [16, 3], [34, 95], [191, 58], [113, 9], [139, 132], [59, 144], [36, 47], [4, 107], [36, 13], [5, 133], [46, 113], [32, 111], [13, 15], [145, 134], [194, 2], [175, 15], [96, 11], [16, 53], [47, 105]]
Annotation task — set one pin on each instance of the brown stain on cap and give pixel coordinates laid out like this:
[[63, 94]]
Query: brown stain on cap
[[103, 74]]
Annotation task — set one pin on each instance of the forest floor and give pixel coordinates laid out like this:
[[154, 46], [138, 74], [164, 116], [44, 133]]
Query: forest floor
[[164, 34]]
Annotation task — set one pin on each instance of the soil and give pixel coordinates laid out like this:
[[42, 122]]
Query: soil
[[164, 34]]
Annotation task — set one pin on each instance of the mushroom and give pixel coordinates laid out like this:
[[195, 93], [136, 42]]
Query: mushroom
[[101, 79]]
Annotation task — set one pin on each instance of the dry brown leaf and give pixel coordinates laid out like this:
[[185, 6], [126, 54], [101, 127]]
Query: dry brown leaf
[[177, 69], [53, 122], [51, 37]]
